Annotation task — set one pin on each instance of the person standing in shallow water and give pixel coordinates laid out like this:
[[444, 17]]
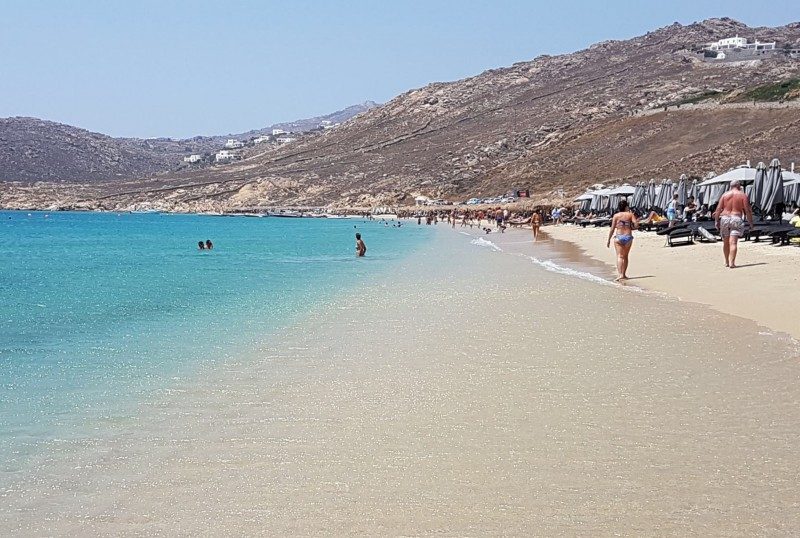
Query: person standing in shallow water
[[201, 245], [209, 244], [536, 222], [733, 212], [361, 248], [622, 226]]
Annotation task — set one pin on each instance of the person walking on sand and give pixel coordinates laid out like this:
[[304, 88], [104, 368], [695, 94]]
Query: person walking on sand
[[622, 226], [732, 212], [672, 210], [361, 248], [536, 223]]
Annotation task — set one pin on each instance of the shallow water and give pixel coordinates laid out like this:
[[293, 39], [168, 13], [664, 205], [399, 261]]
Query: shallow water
[[470, 391], [100, 310]]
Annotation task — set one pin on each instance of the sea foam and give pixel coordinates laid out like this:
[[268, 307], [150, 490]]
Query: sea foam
[[481, 242], [553, 267]]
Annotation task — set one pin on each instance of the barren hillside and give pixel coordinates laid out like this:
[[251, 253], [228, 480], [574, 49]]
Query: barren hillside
[[554, 123]]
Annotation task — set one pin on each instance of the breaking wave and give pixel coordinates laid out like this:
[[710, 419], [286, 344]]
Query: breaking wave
[[481, 242], [553, 267]]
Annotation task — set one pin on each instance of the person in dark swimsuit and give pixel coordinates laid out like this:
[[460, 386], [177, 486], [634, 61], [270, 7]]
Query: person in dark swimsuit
[[201, 245], [622, 226], [361, 248]]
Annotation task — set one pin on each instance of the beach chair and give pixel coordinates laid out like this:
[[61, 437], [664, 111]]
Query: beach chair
[[650, 226], [783, 235], [679, 235], [708, 226]]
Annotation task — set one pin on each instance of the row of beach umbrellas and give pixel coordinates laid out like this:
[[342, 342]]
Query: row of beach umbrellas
[[767, 186]]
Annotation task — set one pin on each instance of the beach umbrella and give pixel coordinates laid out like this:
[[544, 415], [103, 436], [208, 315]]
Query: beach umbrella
[[791, 188], [694, 192], [584, 201], [756, 190], [772, 191], [791, 192], [714, 187], [599, 200], [664, 195], [637, 201], [617, 194], [650, 195], [682, 190]]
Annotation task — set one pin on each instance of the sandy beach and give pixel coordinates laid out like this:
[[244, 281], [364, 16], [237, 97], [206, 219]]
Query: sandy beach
[[764, 288], [486, 386]]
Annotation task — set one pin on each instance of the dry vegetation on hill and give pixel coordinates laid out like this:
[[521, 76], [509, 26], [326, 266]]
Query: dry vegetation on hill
[[554, 123]]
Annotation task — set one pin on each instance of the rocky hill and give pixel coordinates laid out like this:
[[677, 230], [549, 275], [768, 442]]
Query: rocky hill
[[38, 150], [626, 110]]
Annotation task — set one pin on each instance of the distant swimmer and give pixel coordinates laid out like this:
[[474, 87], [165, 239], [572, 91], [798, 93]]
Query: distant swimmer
[[209, 244], [201, 245], [361, 248]]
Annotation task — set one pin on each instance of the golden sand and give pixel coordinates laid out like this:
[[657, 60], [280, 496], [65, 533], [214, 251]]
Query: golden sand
[[764, 288]]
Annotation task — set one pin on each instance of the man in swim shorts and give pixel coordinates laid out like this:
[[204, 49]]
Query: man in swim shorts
[[732, 212]]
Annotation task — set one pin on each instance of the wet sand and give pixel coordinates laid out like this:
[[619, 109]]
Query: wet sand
[[484, 389], [764, 288]]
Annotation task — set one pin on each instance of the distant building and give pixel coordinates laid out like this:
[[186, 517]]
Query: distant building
[[285, 139], [194, 158], [226, 155], [233, 144], [262, 138], [276, 132], [741, 43]]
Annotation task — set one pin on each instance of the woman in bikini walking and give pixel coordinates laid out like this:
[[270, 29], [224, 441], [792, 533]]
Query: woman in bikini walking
[[622, 226]]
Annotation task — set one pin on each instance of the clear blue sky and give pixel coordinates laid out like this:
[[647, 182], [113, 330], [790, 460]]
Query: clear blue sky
[[181, 68]]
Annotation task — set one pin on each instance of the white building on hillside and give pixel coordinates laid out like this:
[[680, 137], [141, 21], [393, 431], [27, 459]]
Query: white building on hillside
[[232, 143], [285, 139], [194, 158], [225, 155], [740, 43], [276, 132], [262, 138]]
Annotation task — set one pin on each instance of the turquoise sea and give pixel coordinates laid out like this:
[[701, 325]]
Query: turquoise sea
[[100, 310]]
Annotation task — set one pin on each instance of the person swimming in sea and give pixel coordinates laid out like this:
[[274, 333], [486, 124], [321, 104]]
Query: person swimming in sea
[[201, 245], [361, 248], [209, 244], [622, 226]]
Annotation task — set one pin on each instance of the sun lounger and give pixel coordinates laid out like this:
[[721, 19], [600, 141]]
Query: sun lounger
[[708, 226], [783, 234], [679, 235], [667, 230], [650, 226]]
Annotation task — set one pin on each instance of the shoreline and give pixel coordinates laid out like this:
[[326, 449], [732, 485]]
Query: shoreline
[[402, 409], [695, 273]]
